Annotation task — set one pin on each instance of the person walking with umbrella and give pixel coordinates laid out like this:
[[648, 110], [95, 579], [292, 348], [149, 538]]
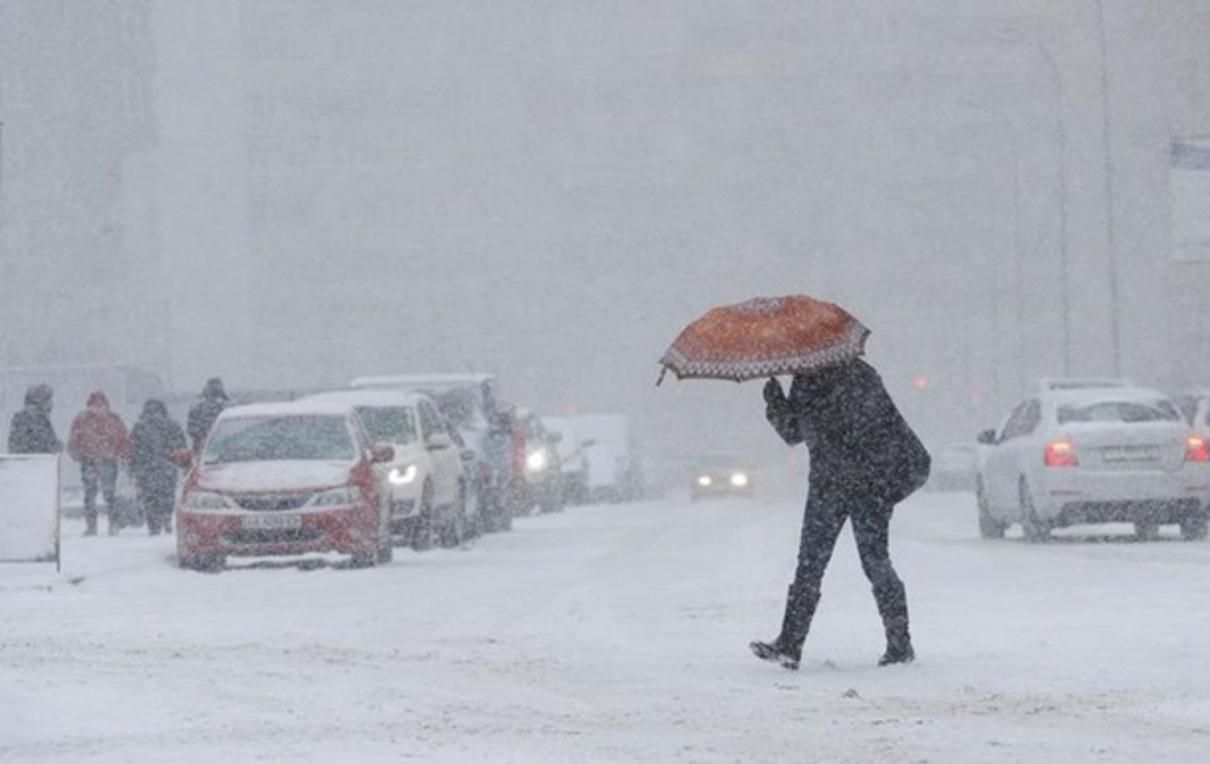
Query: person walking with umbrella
[[864, 460], [864, 457]]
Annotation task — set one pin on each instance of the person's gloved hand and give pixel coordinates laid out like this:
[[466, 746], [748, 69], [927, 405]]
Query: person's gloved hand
[[774, 396]]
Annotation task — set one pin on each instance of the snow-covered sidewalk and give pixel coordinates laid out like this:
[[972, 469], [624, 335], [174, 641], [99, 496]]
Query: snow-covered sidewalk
[[612, 634]]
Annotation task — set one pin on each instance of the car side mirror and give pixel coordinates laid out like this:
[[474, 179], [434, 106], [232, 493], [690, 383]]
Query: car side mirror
[[438, 441], [468, 456], [986, 438], [588, 443], [182, 458], [381, 453]]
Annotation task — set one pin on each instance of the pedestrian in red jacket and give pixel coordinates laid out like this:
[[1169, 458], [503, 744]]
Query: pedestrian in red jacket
[[98, 441]]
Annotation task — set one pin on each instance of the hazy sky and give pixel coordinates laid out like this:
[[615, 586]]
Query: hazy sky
[[550, 190]]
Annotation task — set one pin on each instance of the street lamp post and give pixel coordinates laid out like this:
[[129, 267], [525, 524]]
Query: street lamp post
[[1111, 249], [1018, 256], [1061, 144], [1064, 252]]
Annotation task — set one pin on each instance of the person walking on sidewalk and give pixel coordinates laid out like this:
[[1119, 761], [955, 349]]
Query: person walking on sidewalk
[[31, 431], [204, 412], [864, 460], [154, 439], [99, 441]]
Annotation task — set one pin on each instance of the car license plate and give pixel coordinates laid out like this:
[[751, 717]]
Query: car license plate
[[1132, 454], [272, 522]]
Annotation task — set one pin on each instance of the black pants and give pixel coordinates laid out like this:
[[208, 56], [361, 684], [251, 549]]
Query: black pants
[[156, 492], [98, 473], [826, 511], [157, 509]]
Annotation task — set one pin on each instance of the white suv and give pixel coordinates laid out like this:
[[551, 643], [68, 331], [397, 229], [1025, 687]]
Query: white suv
[[1067, 457], [430, 502]]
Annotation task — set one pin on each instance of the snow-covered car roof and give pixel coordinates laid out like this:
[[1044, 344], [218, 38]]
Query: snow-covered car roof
[[559, 424], [368, 397], [719, 461], [413, 381], [610, 431], [1097, 395], [1056, 384], [289, 408]]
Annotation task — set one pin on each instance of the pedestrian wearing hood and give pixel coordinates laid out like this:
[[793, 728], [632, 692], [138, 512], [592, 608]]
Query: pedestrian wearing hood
[[31, 431], [98, 441], [864, 459], [205, 411], [154, 439]]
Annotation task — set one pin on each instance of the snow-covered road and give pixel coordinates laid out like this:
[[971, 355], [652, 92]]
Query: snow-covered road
[[613, 634]]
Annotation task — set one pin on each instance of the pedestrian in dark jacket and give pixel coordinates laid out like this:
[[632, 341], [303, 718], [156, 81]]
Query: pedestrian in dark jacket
[[154, 439], [203, 413], [864, 459], [31, 431], [99, 441]]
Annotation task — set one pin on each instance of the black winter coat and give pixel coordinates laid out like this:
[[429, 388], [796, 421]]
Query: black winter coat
[[857, 439], [32, 433], [154, 439]]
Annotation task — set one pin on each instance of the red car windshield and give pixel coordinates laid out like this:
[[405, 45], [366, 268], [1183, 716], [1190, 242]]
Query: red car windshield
[[266, 439]]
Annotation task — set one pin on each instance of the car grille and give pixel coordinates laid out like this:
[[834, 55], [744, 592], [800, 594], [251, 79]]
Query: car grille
[[272, 502]]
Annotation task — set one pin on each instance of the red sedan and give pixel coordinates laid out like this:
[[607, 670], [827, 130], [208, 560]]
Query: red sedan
[[284, 479]]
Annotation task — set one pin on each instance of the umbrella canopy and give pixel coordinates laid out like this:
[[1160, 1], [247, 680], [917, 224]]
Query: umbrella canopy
[[763, 337]]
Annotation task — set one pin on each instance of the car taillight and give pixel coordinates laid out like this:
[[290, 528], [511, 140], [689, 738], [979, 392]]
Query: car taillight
[[1061, 453], [1197, 449]]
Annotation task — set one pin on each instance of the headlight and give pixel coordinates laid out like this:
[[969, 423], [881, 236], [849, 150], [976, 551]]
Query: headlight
[[336, 497], [402, 477], [204, 500], [739, 480], [704, 481], [536, 461]]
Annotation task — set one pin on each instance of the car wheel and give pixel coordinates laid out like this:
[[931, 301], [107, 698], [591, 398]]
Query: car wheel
[[472, 514], [364, 558], [386, 553], [522, 499], [422, 537], [208, 563], [499, 509], [1194, 526], [1146, 530], [989, 527], [1035, 529], [453, 530], [552, 500], [386, 545]]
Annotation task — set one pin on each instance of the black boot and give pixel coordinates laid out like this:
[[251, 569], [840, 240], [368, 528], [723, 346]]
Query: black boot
[[787, 648], [90, 520], [775, 653], [892, 606]]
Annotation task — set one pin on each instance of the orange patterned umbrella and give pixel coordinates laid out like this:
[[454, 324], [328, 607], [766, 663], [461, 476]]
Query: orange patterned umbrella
[[763, 337]]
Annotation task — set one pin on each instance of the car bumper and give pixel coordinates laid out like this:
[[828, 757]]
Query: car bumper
[[1157, 512], [337, 529], [405, 501], [700, 492], [1120, 496]]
